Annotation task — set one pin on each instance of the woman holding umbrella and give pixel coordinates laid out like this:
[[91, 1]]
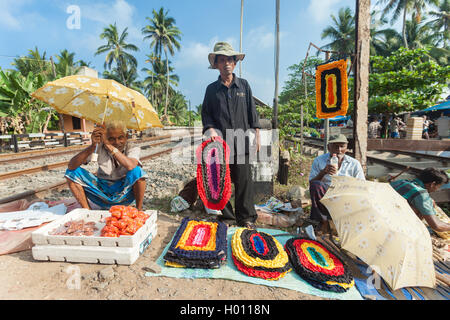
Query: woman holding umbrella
[[120, 179]]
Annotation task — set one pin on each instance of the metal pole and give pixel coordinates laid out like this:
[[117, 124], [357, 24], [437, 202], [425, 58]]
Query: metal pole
[[240, 46], [277, 64], [327, 121], [301, 115], [60, 116]]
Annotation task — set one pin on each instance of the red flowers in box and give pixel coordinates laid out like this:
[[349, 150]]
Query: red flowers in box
[[124, 221]]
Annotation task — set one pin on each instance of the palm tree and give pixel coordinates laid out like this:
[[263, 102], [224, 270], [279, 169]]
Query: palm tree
[[66, 65], [151, 58], [382, 41], [34, 62], [164, 36], [117, 48], [341, 32], [156, 81], [418, 34], [403, 7], [441, 22], [178, 108], [127, 74]]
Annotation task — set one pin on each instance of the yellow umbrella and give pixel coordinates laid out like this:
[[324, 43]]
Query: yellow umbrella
[[99, 100], [377, 224]]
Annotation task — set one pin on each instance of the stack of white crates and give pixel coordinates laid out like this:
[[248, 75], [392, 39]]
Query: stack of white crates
[[414, 128], [124, 250]]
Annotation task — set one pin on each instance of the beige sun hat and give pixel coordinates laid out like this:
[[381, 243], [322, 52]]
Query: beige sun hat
[[223, 48]]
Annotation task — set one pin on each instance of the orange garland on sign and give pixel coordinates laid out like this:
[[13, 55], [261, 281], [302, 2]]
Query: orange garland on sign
[[331, 90]]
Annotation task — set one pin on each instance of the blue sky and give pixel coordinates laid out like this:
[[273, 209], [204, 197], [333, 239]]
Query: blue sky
[[26, 24]]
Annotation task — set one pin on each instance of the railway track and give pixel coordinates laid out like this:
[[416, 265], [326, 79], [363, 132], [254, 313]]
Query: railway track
[[40, 154], [388, 164], [46, 167], [395, 159], [39, 192]]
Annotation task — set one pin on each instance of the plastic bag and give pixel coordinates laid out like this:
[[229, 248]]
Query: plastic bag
[[279, 220], [178, 204]]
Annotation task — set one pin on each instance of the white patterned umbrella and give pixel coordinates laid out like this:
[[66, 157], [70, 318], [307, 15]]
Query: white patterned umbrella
[[376, 224]]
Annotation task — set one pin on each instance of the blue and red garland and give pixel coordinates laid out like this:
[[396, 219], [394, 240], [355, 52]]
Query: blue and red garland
[[314, 262]]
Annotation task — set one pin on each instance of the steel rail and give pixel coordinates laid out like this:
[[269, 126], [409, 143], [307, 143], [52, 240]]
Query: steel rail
[[63, 183], [24, 156], [12, 174]]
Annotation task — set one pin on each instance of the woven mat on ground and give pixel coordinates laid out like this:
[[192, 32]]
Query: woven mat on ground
[[374, 288], [229, 272]]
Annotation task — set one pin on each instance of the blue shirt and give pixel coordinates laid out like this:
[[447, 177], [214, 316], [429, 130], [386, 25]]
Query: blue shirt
[[350, 167]]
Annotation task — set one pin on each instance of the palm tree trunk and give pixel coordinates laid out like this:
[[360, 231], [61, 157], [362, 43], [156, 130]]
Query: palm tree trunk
[[120, 67], [405, 9]]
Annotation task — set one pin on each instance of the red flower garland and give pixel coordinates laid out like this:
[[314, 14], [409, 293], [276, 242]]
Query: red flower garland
[[226, 193]]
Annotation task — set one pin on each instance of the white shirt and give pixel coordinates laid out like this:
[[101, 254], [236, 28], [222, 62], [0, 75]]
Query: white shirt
[[350, 167], [108, 167]]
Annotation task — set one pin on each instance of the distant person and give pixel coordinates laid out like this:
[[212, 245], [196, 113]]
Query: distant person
[[442, 126], [394, 127], [426, 127], [373, 128], [417, 193], [119, 180], [384, 127], [321, 172], [349, 123]]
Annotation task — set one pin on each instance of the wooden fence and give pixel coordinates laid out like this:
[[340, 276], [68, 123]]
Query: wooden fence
[[20, 142]]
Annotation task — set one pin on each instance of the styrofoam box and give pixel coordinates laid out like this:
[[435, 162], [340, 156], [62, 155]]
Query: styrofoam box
[[123, 250], [42, 236], [93, 254]]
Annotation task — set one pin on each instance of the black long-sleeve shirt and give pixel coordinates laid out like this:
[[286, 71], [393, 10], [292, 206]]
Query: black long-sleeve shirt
[[229, 108]]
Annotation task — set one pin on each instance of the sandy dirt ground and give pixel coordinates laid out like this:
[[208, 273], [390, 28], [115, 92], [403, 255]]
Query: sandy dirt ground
[[22, 277]]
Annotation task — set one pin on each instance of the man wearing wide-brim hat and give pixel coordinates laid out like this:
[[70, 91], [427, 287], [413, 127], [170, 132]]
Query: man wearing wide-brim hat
[[321, 172], [228, 110]]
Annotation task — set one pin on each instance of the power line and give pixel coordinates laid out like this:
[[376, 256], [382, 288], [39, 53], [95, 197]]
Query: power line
[[24, 58]]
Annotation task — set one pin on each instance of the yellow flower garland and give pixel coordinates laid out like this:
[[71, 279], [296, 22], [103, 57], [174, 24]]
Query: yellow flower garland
[[238, 251]]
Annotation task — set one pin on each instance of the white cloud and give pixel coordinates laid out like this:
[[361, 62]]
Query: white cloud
[[195, 54], [121, 13], [320, 10], [260, 37], [13, 15]]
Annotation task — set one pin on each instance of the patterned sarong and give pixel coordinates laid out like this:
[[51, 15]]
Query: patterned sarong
[[106, 193]]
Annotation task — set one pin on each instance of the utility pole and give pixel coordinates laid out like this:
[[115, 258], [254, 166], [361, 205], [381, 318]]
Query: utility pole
[[361, 74], [277, 66], [189, 112], [60, 116], [240, 46]]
